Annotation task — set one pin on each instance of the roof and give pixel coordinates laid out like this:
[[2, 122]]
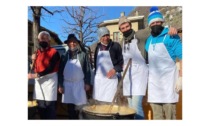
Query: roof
[[115, 21]]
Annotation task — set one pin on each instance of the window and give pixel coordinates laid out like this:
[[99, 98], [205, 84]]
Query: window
[[116, 36]]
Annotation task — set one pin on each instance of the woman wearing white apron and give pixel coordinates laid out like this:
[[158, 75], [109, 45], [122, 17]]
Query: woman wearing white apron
[[74, 77], [46, 79], [108, 61], [163, 74]]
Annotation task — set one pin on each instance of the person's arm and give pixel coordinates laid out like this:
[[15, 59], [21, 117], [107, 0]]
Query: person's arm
[[119, 58], [60, 70], [142, 36], [180, 70], [55, 59], [87, 73], [178, 85], [178, 52], [141, 46], [176, 46], [177, 49], [87, 68], [95, 57], [148, 43]]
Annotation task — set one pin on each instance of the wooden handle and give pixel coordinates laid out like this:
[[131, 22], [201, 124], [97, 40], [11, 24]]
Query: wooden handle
[[149, 115], [120, 84]]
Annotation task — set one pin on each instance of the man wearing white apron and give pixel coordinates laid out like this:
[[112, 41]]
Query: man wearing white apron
[[108, 61], [164, 78], [74, 77], [46, 61], [135, 81]]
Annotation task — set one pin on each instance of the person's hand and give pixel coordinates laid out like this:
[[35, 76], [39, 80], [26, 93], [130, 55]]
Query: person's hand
[[87, 87], [60, 90], [111, 73], [29, 76], [33, 57], [32, 76], [178, 86], [172, 31]]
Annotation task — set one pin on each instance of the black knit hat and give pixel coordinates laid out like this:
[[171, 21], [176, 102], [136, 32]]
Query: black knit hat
[[69, 37]]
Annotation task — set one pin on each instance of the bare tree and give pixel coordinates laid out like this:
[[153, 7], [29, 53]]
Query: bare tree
[[82, 21], [36, 24]]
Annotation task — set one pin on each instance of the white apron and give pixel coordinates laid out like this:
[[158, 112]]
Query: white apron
[[104, 88], [48, 88], [74, 88], [135, 81], [162, 75]]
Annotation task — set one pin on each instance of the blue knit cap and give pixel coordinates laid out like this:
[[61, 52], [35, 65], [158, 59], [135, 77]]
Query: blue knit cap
[[102, 31], [154, 15]]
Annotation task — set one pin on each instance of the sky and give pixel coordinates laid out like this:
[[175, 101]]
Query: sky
[[55, 23]]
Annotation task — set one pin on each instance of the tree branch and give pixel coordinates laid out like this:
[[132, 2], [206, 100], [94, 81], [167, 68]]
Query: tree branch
[[47, 10], [83, 24]]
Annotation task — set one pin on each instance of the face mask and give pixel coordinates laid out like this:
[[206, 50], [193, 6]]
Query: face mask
[[127, 33], [156, 30], [43, 44]]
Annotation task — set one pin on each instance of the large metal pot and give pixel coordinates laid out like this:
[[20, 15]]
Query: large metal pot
[[106, 112]]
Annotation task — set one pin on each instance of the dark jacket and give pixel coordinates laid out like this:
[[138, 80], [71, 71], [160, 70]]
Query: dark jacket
[[84, 61], [115, 51]]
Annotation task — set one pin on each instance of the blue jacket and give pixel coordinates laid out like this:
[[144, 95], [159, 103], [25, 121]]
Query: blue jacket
[[172, 43]]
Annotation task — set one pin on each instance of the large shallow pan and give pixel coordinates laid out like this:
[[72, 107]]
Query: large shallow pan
[[104, 112]]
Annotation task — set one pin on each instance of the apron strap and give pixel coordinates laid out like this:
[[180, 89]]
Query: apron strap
[[134, 37], [153, 46], [155, 43]]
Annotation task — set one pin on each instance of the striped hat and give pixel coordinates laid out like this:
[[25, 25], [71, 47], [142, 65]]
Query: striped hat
[[154, 15], [123, 19]]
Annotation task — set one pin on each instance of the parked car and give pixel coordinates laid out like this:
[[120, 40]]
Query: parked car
[[61, 48]]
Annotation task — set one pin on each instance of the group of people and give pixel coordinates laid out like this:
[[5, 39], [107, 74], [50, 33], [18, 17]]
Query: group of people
[[70, 74]]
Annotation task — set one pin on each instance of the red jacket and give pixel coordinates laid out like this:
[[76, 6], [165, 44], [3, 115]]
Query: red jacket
[[43, 60]]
